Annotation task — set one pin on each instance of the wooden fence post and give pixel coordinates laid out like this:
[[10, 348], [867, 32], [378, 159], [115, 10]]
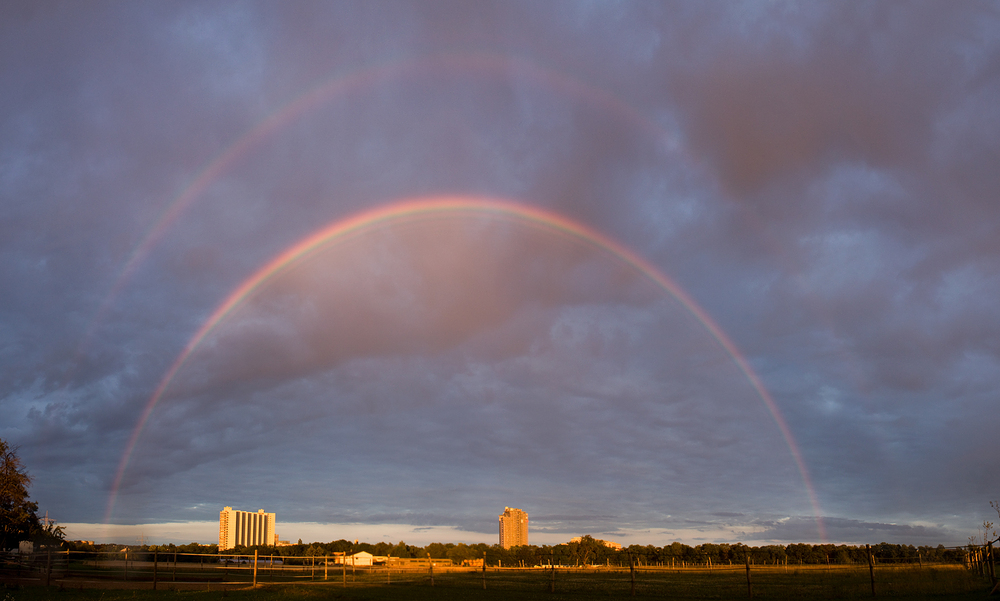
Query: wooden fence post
[[430, 567], [552, 564], [174, 577], [871, 567], [154, 568], [991, 563], [48, 567], [484, 570], [631, 568], [255, 568], [749, 585], [992, 569]]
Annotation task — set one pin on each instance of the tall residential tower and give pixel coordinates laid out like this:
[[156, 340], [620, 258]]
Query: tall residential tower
[[244, 528], [513, 528]]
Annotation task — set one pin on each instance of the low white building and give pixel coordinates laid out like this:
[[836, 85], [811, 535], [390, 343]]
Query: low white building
[[359, 559]]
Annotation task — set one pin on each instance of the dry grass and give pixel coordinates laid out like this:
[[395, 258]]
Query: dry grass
[[930, 582]]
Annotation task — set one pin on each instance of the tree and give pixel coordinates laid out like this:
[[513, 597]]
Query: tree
[[987, 533], [995, 505], [437, 550], [18, 518], [587, 548], [400, 550]]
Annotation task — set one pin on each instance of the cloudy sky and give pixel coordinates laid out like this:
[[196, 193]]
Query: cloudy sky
[[648, 271]]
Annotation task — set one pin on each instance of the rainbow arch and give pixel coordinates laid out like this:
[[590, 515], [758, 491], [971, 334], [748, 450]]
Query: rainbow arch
[[343, 85], [421, 207]]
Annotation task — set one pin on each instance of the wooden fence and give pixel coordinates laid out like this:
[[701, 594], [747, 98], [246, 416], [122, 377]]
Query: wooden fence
[[187, 571]]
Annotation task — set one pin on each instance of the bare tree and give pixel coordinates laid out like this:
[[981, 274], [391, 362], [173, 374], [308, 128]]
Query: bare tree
[[996, 506], [987, 533]]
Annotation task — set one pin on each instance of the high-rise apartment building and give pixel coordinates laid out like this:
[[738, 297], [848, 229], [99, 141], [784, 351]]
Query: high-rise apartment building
[[245, 528], [513, 528]]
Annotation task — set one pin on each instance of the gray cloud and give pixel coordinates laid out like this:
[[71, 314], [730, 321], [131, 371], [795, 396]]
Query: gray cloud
[[856, 531], [821, 180]]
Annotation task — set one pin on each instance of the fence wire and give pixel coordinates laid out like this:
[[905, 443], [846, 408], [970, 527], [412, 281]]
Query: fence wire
[[189, 571]]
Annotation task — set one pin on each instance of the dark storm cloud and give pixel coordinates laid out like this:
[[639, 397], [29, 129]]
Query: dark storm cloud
[[846, 86], [821, 179]]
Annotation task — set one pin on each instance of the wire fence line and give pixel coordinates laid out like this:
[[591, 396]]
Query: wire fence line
[[178, 571], [65, 566]]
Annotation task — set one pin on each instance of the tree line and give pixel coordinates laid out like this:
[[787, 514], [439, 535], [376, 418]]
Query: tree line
[[19, 521], [588, 551]]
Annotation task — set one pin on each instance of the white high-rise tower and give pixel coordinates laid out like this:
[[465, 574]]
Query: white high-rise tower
[[244, 528]]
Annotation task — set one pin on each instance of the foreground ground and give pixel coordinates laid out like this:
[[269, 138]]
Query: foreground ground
[[937, 582]]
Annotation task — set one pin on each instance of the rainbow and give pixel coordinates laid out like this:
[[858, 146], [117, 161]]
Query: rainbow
[[343, 86], [409, 209]]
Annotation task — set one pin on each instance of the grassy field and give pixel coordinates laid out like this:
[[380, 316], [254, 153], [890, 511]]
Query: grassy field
[[929, 582]]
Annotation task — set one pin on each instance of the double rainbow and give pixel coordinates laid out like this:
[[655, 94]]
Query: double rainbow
[[417, 208]]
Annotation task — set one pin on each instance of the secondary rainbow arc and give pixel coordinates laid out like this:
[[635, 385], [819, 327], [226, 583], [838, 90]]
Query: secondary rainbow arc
[[314, 97], [423, 206]]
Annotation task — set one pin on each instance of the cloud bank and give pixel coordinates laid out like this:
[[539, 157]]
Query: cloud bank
[[821, 180]]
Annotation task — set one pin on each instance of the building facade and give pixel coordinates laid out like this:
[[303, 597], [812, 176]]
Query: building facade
[[245, 528], [513, 528]]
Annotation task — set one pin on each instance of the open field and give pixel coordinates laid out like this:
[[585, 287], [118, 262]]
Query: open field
[[811, 582]]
